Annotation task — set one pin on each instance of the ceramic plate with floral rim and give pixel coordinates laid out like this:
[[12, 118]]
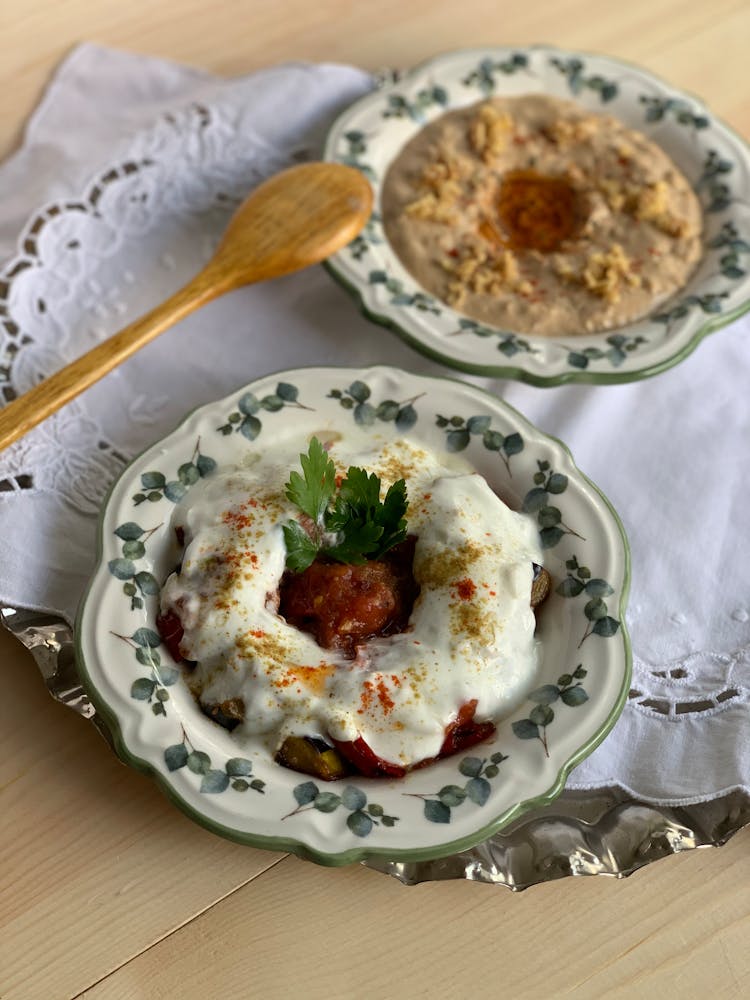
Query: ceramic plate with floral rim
[[715, 161], [235, 788]]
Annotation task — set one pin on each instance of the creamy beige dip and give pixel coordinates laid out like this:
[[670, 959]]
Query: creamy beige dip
[[535, 216]]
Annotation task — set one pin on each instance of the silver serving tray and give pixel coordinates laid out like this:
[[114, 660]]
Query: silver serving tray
[[582, 833]]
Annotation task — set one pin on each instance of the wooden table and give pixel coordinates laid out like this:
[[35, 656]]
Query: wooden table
[[145, 903]]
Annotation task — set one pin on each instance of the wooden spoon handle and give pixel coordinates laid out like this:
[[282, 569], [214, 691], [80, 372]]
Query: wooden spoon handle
[[18, 417]]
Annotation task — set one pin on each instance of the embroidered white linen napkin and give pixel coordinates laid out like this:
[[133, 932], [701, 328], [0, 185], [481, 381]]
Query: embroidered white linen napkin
[[126, 176]]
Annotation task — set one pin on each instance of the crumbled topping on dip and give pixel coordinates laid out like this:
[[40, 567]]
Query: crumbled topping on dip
[[470, 637], [536, 216]]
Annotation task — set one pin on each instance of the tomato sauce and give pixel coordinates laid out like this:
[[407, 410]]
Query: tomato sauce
[[341, 606]]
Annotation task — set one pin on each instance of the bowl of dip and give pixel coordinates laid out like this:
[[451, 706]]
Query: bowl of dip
[[546, 215], [477, 705]]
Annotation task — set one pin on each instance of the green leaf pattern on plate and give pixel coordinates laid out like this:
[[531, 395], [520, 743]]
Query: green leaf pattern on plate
[[151, 688], [508, 343], [459, 432], [236, 773], [400, 296], [357, 399], [579, 581], [537, 501], [620, 345], [479, 772], [574, 71], [356, 146], [137, 584], [371, 235], [713, 189], [399, 106], [244, 420], [155, 485], [483, 77], [729, 240], [140, 583], [658, 108], [363, 815], [568, 690]]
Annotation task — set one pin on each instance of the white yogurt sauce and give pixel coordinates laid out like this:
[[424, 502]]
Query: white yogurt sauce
[[470, 635]]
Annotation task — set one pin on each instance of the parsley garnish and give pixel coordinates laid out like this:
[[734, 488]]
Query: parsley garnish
[[351, 525]]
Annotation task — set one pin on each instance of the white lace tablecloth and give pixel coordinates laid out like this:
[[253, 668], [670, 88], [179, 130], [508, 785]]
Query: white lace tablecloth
[[128, 172]]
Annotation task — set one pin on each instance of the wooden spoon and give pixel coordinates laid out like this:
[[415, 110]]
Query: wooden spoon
[[292, 220]]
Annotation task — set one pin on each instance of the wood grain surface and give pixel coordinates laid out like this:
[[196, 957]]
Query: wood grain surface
[[106, 891]]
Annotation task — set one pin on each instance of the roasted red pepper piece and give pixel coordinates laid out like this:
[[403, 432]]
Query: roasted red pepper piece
[[460, 734], [366, 761], [464, 732], [171, 631]]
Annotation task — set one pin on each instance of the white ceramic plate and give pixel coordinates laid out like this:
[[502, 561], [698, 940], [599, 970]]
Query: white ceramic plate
[[716, 161], [236, 789]]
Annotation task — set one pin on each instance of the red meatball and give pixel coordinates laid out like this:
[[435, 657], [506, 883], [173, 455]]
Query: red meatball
[[342, 605]]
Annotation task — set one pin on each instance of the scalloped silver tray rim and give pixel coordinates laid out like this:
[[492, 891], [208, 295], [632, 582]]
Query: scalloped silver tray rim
[[602, 832]]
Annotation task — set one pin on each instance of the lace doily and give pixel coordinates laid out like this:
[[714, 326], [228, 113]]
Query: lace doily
[[160, 156]]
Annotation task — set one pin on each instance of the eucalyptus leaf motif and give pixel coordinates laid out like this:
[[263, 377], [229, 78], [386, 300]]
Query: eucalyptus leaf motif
[[353, 798], [214, 781], [176, 756], [237, 766], [359, 823], [129, 531], [478, 790], [568, 690], [244, 420], [362, 816], [484, 76], [146, 637], [436, 811], [198, 762], [142, 689], [357, 398], [580, 581], [460, 430], [438, 806], [509, 344]]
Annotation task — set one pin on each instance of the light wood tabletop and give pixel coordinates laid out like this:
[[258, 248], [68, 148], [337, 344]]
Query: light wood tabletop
[[106, 890]]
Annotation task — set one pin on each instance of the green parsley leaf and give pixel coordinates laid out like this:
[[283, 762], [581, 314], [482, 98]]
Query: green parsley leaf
[[390, 516], [300, 548], [312, 492], [361, 524], [359, 490], [356, 540]]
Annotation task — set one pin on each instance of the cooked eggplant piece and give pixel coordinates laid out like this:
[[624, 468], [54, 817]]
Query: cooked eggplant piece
[[228, 714], [540, 586], [312, 756]]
